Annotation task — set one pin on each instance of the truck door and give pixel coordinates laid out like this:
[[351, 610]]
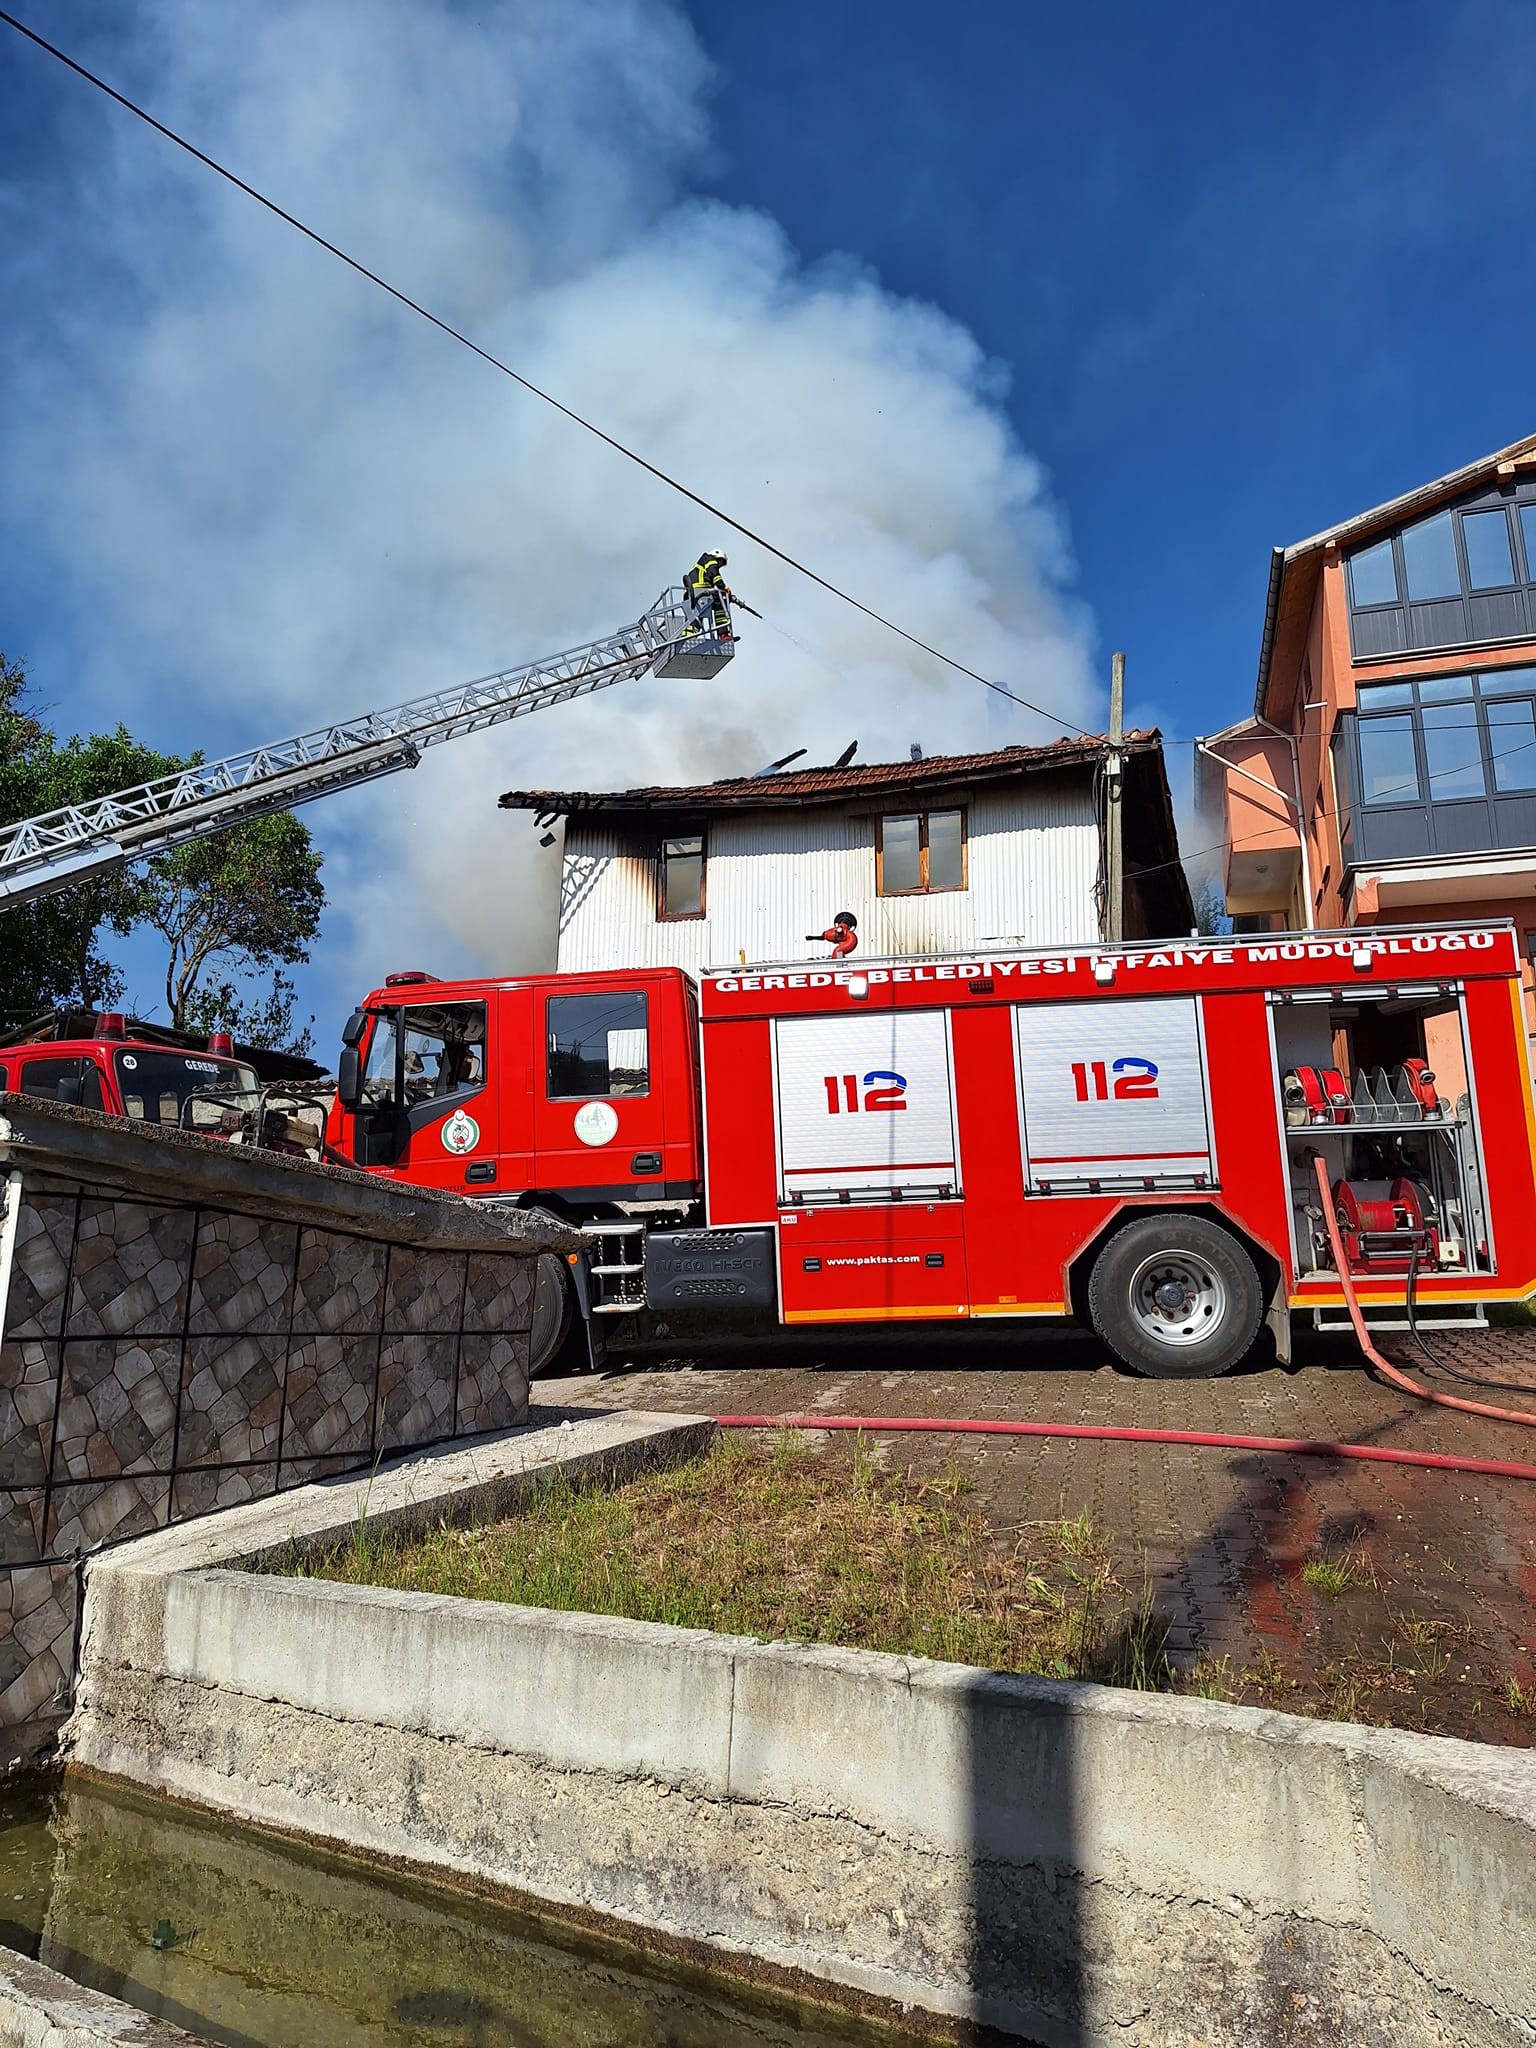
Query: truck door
[[598, 1110], [517, 1054], [428, 1108]]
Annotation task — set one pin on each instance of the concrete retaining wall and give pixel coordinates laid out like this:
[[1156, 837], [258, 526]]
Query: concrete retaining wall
[[1068, 1863], [188, 1324], [41, 2009]]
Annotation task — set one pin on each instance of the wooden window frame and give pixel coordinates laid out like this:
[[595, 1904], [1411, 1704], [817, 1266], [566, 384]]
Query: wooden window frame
[[663, 915], [924, 888]]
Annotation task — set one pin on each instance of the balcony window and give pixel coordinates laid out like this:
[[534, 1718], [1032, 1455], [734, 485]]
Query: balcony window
[[1389, 765], [920, 852], [1512, 743], [1490, 561], [1429, 556], [1463, 575], [1373, 575], [1452, 752], [1445, 765]]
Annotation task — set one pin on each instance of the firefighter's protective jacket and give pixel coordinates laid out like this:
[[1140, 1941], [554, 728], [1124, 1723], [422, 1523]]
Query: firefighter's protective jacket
[[704, 577]]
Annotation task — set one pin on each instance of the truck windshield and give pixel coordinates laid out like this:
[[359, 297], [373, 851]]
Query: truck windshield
[[185, 1090]]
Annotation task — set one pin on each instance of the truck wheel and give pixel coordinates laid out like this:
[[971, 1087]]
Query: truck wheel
[[1176, 1297], [554, 1306]]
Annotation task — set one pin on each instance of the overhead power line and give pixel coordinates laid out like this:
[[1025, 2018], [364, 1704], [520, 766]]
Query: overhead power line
[[506, 369]]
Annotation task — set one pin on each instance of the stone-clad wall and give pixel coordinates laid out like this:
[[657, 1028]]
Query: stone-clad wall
[[188, 1325]]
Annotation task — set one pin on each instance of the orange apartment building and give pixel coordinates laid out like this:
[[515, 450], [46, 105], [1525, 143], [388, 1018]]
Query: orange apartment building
[[1388, 774]]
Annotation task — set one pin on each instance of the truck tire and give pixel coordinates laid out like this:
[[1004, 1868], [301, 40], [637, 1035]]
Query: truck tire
[[554, 1309], [1175, 1296]]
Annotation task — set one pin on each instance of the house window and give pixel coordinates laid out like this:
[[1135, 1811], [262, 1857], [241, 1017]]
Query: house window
[[920, 852], [681, 890]]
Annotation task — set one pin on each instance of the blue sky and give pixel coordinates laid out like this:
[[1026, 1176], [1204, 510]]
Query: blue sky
[[1250, 269], [1230, 275]]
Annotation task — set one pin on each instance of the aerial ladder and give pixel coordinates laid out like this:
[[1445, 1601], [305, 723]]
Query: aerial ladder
[[43, 855]]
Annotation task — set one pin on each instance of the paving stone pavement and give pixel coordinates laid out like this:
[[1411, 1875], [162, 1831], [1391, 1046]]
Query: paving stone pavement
[[1441, 1621]]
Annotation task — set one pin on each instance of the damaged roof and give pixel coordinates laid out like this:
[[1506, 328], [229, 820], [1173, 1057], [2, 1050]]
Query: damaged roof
[[936, 773], [1156, 888]]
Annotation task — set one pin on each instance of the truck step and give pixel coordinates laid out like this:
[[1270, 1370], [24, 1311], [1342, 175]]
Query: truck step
[[616, 1269], [617, 1308], [1471, 1315]]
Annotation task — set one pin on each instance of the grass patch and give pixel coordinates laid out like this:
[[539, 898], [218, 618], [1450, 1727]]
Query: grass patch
[[1329, 1576], [791, 1543]]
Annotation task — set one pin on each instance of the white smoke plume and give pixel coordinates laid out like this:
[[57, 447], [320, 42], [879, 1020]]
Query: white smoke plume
[[279, 497]]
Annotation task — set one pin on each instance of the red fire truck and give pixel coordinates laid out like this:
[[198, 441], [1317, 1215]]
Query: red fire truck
[[152, 1074], [1126, 1135]]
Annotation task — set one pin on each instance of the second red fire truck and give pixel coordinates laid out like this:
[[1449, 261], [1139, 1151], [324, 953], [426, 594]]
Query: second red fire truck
[[1126, 1135]]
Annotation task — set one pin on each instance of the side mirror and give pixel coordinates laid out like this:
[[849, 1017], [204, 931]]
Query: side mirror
[[352, 1031], [67, 1091], [349, 1077]]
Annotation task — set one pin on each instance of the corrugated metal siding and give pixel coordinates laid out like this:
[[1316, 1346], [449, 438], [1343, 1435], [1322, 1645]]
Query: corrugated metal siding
[[772, 877]]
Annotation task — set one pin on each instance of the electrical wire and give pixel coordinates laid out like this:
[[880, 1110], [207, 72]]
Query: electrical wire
[[506, 369]]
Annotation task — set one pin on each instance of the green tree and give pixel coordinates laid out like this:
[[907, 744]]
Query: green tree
[[52, 950], [1211, 919], [240, 902], [265, 1018], [237, 904]]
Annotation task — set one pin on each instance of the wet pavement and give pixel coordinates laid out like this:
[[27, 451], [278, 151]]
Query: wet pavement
[[1363, 1591]]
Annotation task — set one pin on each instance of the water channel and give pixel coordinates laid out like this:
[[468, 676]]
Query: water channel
[[256, 1942]]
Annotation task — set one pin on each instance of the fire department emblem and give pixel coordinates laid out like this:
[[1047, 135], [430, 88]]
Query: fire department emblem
[[461, 1133], [597, 1123]]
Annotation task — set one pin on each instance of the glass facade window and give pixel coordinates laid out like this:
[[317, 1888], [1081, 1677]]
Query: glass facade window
[[1512, 743], [1490, 562], [1463, 576], [1452, 752], [1429, 557], [1442, 690], [1455, 738], [1373, 575], [1389, 762]]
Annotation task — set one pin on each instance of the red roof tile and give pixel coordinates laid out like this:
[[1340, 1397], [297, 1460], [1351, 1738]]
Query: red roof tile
[[832, 785]]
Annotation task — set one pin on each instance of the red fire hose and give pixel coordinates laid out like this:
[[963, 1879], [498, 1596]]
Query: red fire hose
[[1296, 1447], [1390, 1372]]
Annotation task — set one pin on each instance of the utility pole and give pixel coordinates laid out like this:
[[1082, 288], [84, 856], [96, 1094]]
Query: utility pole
[[1114, 847]]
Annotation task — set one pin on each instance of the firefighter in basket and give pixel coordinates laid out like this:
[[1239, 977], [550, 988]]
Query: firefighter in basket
[[710, 596]]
